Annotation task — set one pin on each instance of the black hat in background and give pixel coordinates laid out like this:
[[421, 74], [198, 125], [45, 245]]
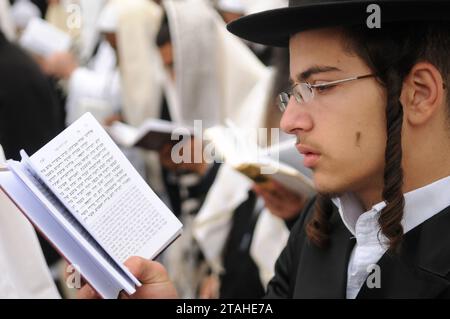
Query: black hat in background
[[275, 27]]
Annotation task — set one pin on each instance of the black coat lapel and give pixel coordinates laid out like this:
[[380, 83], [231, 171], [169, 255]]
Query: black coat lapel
[[323, 273], [422, 267]]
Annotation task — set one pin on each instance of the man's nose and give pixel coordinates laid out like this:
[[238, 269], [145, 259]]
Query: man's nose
[[296, 118]]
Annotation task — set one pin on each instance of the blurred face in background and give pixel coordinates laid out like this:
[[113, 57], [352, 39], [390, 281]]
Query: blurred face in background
[[111, 38], [166, 51], [228, 16]]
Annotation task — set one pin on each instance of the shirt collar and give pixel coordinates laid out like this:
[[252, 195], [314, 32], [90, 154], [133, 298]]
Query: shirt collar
[[420, 205]]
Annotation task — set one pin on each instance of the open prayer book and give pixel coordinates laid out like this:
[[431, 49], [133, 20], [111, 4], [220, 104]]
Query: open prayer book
[[280, 162], [42, 38], [85, 197], [152, 135]]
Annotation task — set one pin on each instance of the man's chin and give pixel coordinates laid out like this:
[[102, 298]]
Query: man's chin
[[328, 190]]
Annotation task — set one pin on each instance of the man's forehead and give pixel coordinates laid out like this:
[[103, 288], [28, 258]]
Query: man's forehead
[[320, 37], [320, 49]]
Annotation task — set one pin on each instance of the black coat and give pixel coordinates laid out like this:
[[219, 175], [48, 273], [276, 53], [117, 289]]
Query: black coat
[[30, 114], [420, 270]]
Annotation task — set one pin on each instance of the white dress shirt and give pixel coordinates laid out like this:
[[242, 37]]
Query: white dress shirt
[[420, 205]]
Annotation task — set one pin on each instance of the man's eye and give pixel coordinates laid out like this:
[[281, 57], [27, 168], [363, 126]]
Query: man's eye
[[324, 88]]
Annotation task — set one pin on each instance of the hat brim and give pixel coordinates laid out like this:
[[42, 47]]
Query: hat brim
[[275, 27]]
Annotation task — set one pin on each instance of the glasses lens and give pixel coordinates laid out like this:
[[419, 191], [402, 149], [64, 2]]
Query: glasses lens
[[305, 92], [283, 101]]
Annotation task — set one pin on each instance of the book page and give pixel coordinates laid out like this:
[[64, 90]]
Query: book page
[[37, 208], [123, 134], [92, 177], [71, 225]]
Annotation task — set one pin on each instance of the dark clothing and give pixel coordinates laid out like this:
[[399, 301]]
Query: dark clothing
[[30, 115], [420, 270], [169, 178], [241, 276]]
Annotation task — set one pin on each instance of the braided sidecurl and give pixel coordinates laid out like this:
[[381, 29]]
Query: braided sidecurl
[[392, 214]]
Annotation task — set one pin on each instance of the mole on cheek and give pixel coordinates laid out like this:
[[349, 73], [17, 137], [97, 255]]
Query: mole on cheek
[[358, 139]]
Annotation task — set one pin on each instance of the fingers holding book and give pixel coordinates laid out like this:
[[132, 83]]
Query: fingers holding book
[[155, 281], [281, 201]]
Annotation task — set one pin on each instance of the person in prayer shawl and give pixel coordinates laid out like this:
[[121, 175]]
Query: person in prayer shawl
[[233, 9], [239, 215], [23, 11], [150, 91], [61, 14], [29, 118], [93, 87], [41, 4], [90, 32], [370, 108], [210, 68], [199, 74]]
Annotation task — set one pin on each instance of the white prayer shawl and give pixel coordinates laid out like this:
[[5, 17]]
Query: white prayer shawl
[[24, 273], [214, 70], [254, 6], [269, 239], [236, 6], [140, 62], [6, 22], [247, 7], [66, 16], [230, 189], [108, 19], [213, 222], [2, 155], [95, 88], [23, 11], [90, 11]]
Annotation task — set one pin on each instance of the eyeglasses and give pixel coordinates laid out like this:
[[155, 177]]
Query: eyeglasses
[[304, 92]]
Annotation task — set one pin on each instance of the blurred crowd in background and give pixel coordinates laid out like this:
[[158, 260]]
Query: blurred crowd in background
[[131, 60]]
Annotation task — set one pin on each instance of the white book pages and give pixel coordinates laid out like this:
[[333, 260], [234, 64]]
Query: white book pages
[[58, 233], [42, 38], [95, 181], [71, 224]]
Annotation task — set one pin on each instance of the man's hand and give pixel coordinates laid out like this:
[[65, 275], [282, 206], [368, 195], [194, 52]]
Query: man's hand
[[192, 162], [61, 65], [153, 276], [209, 287], [279, 200], [112, 118]]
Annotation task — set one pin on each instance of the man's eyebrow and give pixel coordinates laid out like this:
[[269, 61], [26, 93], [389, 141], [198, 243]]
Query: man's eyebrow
[[313, 70]]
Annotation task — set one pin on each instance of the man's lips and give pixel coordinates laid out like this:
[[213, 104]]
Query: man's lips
[[311, 156]]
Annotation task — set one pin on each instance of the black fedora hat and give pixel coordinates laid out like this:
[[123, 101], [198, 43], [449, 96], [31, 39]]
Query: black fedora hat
[[275, 27]]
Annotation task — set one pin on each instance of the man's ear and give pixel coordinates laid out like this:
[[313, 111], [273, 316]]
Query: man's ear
[[422, 94]]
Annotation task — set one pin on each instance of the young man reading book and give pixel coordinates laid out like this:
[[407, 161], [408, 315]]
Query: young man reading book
[[371, 110]]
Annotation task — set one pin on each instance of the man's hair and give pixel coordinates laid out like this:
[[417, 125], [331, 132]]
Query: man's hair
[[391, 52]]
